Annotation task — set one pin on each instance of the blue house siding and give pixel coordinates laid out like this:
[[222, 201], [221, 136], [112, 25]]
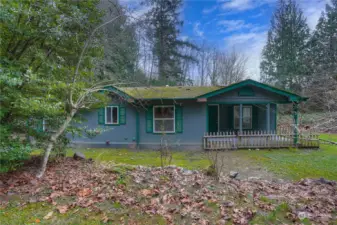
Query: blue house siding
[[118, 135], [194, 126]]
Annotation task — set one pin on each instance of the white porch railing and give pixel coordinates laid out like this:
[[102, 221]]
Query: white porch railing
[[282, 138]]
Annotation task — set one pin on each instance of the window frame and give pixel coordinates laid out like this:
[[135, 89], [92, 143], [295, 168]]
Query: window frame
[[251, 116], [106, 114], [154, 119]]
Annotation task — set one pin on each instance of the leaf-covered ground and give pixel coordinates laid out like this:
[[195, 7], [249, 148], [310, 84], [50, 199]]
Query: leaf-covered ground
[[95, 193]]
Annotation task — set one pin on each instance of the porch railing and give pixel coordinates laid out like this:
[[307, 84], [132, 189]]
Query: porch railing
[[282, 138]]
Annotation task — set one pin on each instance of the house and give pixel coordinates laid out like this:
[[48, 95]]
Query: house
[[192, 117]]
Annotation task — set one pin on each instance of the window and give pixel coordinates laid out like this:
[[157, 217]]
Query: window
[[246, 117], [163, 119], [111, 115], [45, 126]]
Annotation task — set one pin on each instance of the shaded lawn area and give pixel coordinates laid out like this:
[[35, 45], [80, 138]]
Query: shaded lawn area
[[186, 159]]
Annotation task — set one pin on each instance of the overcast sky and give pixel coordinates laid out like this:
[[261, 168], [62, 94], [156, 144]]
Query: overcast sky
[[239, 24]]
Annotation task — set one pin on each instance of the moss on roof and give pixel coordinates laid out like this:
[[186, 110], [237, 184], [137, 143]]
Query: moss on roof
[[168, 92]]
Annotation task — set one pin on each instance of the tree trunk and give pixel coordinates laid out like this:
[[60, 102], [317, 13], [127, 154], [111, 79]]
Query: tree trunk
[[51, 143]]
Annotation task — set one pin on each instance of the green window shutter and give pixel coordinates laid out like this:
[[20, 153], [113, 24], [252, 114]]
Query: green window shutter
[[255, 117], [101, 116], [149, 119], [39, 125], [230, 121], [179, 119], [122, 114]]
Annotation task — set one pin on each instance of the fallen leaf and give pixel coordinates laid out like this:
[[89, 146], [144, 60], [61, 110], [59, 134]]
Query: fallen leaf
[[62, 208], [146, 192], [48, 216], [84, 192], [105, 219]]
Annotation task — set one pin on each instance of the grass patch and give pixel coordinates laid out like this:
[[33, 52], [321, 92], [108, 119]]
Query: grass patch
[[300, 163], [185, 159], [34, 213], [329, 137], [277, 216]]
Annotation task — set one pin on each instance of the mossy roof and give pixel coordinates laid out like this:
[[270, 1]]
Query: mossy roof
[[192, 92], [168, 92]]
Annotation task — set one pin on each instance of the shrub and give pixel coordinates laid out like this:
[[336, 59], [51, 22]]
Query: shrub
[[12, 154]]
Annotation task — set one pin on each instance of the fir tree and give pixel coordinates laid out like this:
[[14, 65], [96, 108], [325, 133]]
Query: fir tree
[[283, 57], [164, 32], [323, 44]]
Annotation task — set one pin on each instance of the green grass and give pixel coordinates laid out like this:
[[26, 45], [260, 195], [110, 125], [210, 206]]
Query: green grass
[[329, 137], [34, 213], [296, 164], [277, 216], [186, 159]]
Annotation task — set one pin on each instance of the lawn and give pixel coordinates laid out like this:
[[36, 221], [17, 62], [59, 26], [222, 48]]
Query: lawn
[[296, 164], [284, 163], [187, 159]]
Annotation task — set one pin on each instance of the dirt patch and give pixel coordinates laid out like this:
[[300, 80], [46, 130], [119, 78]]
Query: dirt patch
[[178, 195], [229, 161]]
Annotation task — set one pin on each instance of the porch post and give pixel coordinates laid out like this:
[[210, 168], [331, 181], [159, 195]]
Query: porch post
[[241, 114], [268, 117], [295, 117]]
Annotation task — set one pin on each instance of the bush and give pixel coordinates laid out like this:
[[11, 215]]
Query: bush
[[12, 155], [12, 151]]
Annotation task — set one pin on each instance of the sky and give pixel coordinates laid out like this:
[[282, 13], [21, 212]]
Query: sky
[[236, 24]]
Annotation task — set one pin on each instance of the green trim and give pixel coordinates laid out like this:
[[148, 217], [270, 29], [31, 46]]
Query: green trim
[[101, 116], [178, 119], [122, 114], [290, 95], [250, 102], [137, 128]]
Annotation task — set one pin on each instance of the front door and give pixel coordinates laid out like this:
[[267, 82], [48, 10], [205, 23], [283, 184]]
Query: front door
[[213, 118]]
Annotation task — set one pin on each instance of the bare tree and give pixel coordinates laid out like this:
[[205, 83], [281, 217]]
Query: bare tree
[[204, 65], [227, 67]]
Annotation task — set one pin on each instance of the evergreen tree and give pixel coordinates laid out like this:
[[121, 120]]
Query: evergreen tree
[[283, 57], [321, 89], [323, 44], [164, 32], [120, 45]]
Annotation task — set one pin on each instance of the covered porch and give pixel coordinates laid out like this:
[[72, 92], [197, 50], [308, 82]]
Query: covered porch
[[240, 117], [234, 126]]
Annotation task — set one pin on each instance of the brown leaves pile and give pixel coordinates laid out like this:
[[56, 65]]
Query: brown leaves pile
[[186, 196]]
